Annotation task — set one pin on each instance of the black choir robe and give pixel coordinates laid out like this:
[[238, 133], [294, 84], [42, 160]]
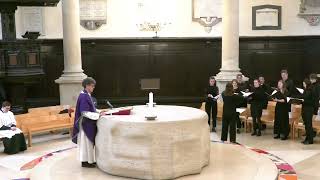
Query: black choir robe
[[229, 116], [267, 90], [290, 87], [307, 112], [257, 100], [316, 93], [211, 104], [281, 123]]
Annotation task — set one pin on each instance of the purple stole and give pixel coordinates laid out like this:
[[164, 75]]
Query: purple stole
[[84, 103]]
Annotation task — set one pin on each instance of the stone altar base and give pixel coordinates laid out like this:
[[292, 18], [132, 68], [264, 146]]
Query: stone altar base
[[177, 143]]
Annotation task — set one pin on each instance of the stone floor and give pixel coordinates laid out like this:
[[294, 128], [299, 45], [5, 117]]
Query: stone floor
[[305, 159], [227, 161]]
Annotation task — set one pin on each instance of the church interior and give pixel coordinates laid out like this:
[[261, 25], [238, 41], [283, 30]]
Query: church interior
[[159, 89]]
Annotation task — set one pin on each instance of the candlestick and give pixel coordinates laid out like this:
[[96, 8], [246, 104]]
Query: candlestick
[[150, 99]]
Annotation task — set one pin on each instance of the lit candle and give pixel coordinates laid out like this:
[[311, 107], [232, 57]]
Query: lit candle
[[150, 99]]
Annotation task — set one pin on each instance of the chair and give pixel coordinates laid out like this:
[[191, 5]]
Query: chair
[[220, 110], [268, 114], [298, 126], [295, 119], [248, 120]]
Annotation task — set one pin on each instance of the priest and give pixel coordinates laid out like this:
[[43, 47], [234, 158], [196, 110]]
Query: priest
[[85, 128], [12, 137]]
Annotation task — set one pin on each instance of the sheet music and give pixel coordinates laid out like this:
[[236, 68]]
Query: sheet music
[[240, 110], [291, 98], [274, 92], [246, 94], [112, 111], [300, 90]]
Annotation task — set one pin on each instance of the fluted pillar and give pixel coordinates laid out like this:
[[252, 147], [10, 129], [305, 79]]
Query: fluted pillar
[[230, 43], [70, 81]]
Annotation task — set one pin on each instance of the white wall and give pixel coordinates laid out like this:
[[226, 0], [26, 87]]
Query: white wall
[[292, 25], [122, 20]]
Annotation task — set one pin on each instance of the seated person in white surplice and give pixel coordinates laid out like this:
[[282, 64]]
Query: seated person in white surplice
[[12, 137], [85, 124]]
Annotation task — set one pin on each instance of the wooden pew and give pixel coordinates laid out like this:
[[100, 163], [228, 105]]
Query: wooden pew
[[48, 123], [48, 110], [44, 119]]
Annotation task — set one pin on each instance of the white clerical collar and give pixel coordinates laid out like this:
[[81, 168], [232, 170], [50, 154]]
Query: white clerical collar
[[85, 92]]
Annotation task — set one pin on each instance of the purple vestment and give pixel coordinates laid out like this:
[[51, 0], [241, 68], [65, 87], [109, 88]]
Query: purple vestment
[[84, 103]]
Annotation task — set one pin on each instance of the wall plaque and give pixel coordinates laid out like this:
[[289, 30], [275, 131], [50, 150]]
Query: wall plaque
[[93, 13], [32, 19], [208, 13], [310, 11], [266, 17]]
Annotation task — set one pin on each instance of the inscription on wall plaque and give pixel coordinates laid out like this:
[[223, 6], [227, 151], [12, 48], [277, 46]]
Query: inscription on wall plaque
[[266, 17], [32, 19], [208, 13], [93, 13]]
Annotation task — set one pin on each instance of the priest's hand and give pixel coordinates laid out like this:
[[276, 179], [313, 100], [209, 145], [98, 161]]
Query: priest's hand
[[103, 113], [13, 128]]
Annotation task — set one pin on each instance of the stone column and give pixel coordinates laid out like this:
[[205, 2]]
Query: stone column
[[230, 43], [70, 81]]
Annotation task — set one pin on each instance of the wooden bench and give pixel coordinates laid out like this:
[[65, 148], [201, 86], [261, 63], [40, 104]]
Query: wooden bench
[[50, 110], [45, 119]]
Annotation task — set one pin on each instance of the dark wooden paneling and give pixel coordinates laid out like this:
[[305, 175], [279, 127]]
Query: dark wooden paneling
[[183, 65]]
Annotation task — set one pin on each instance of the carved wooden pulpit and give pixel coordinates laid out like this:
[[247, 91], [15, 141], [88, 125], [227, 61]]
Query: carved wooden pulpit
[[20, 62]]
